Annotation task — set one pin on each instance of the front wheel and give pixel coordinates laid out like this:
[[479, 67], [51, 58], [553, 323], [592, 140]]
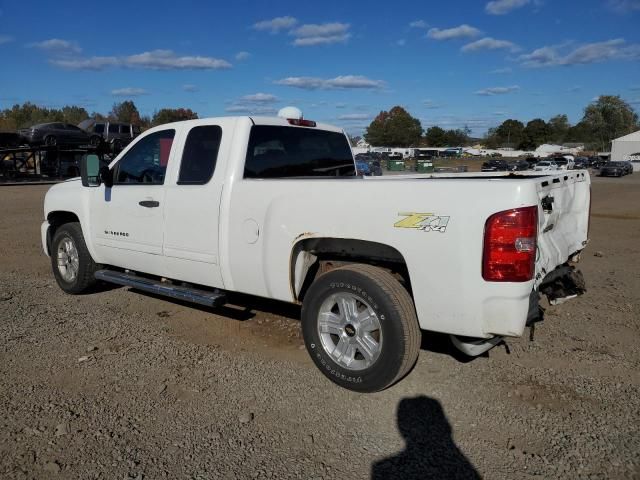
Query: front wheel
[[360, 327], [71, 261]]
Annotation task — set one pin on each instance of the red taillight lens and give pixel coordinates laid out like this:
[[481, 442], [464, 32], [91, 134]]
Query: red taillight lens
[[510, 245], [301, 123]]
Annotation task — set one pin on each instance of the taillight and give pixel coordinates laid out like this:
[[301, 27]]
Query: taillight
[[510, 238], [301, 122]]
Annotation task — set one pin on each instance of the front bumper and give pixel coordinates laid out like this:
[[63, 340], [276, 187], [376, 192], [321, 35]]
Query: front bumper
[[45, 238]]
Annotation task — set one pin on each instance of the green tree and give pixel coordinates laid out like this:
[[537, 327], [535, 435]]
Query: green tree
[[456, 137], [125, 112], [73, 114], [535, 133], [435, 137], [609, 117], [395, 128], [168, 115], [559, 127], [510, 133]]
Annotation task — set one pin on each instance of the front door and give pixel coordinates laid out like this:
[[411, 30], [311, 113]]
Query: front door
[[128, 217]]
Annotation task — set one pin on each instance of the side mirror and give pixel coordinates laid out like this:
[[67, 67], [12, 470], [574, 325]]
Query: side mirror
[[106, 176], [90, 170]]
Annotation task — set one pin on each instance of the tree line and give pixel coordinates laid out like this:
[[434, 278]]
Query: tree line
[[27, 114], [603, 120]]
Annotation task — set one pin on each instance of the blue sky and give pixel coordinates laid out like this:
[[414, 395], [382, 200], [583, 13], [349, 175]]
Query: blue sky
[[471, 63]]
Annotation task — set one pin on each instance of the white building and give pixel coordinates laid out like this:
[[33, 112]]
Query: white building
[[627, 148]]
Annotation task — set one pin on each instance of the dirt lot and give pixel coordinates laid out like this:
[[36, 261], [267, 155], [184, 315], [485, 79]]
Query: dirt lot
[[118, 384]]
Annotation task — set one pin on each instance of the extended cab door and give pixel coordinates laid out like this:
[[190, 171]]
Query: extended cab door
[[127, 219], [192, 204]]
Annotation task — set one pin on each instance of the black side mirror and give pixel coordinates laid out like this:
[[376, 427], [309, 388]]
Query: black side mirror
[[106, 176], [90, 170]]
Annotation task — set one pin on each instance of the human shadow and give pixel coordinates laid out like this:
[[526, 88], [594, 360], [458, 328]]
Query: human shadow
[[430, 452]]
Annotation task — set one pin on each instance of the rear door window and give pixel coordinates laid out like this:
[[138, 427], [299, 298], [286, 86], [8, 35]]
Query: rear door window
[[285, 152], [200, 155], [114, 128], [99, 128]]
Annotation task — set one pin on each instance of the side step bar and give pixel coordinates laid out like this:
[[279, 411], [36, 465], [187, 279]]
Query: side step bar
[[194, 295]]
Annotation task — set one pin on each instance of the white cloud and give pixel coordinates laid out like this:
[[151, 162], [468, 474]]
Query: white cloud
[[462, 31], [240, 56], [92, 63], [320, 34], [251, 109], [418, 24], [502, 70], [354, 116], [259, 98], [488, 43], [489, 92], [187, 87], [276, 25], [340, 82], [167, 60], [431, 105], [401, 43], [129, 92], [550, 56], [6, 39], [502, 7], [153, 60], [56, 45], [624, 6]]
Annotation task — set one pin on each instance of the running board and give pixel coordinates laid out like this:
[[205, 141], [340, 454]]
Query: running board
[[188, 294]]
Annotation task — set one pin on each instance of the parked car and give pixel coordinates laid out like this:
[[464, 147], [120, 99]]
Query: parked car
[[613, 169], [395, 156], [116, 135], [156, 219], [375, 167], [58, 134], [362, 168], [581, 163], [564, 163], [531, 161], [9, 139], [495, 166], [519, 165], [545, 165]]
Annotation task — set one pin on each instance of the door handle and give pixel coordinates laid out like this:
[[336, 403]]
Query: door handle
[[149, 203]]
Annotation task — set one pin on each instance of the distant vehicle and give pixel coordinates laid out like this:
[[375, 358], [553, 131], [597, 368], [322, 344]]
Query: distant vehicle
[[629, 166], [613, 169], [116, 135], [58, 134], [375, 167], [395, 156], [362, 168], [424, 154], [519, 165], [495, 155], [545, 165], [581, 163], [532, 161], [9, 139], [564, 163], [495, 166]]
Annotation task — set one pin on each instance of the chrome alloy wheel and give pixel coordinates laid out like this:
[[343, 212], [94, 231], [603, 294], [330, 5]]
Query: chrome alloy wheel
[[349, 331], [68, 260]]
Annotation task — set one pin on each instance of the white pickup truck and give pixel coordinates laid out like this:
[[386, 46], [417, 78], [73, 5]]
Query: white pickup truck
[[272, 207]]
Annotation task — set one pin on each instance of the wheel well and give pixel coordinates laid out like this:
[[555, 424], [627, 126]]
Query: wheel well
[[56, 220], [313, 257]]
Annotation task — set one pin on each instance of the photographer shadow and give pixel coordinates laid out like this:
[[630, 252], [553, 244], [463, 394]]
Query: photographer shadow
[[430, 452]]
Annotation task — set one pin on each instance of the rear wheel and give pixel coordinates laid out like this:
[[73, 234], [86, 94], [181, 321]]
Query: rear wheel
[[360, 327], [94, 141], [71, 261]]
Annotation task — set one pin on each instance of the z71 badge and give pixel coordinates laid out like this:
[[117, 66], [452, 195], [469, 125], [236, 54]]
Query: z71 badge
[[427, 222]]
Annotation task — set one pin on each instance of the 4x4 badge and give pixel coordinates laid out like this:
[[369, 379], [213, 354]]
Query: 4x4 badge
[[427, 222]]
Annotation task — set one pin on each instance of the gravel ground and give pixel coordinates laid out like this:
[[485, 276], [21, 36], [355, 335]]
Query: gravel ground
[[118, 384]]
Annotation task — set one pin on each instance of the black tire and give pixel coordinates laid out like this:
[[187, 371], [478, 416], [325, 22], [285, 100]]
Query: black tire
[[50, 141], [395, 311], [84, 279], [94, 141]]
